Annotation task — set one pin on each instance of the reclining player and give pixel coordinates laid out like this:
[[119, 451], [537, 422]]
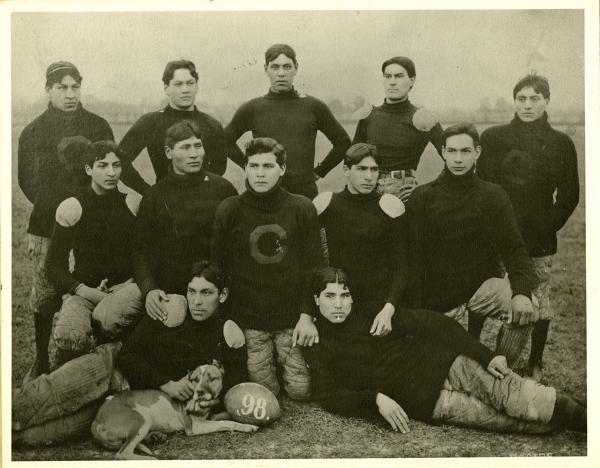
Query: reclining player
[[428, 368]]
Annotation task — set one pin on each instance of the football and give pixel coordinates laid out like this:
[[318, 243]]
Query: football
[[251, 403]]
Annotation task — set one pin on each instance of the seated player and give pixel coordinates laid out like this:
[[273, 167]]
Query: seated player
[[62, 405], [365, 234], [428, 368], [267, 240], [463, 235], [97, 225]]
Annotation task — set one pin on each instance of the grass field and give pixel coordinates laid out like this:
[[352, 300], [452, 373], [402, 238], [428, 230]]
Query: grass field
[[306, 431]]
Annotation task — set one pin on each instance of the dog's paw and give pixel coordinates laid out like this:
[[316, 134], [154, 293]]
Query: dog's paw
[[248, 428]]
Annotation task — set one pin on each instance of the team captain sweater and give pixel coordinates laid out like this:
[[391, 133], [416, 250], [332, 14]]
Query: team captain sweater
[[390, 128], [461, 227], [292, 120], [174, 226], [367, 237], [268, 244]]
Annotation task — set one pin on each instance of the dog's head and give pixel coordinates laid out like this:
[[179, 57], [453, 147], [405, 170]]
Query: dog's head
[[208, 383]]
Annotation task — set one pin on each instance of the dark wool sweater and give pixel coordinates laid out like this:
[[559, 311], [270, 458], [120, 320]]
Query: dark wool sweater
[[531, 161], [149, 132], [174, 227], [461, 227], [100, 230], [154, 354], [293, 121], [349, 366], [368, 243], [268, 244], [390, 128], [43, 179]]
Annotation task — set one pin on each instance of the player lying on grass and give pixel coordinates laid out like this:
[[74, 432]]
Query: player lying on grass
[[97, 225], [61, 406], [428, 368]]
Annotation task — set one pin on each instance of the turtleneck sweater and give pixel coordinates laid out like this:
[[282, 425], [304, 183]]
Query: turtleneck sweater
[[174, 227], [149, 132], [390, 128], [532, 161], [153, 353], [369, 243], [349, 366], [461, 228], [43, 178], [99, 229], [268, 244], [293, 120]]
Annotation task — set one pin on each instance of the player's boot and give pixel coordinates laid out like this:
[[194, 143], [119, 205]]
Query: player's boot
[[568, 413]]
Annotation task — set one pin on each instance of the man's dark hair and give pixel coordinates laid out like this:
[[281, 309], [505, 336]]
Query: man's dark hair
[[181, 131], [537, 82], [210, 271], [459, 129], [404, 62], [176, 65], [265, 145], [98, 150], [276, 50], [359, 151], [58, 70], [323, 276]]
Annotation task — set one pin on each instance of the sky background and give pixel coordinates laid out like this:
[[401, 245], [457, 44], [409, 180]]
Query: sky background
[[460, 56]]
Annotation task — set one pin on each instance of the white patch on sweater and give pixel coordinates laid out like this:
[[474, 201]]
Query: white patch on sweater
[[391, 206], [69, 212], [322, 201]]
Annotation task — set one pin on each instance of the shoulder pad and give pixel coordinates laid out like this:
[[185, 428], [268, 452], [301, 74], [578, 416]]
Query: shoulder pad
[[322, 201], [363, 112], [391, 206], [133, 203], [424, 120], [69, 212]]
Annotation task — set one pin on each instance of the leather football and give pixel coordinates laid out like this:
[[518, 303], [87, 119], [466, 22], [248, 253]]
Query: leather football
[[252, 403]]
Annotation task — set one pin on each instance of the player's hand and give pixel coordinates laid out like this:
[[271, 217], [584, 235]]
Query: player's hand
[[181, 390], [305, 332], [498, 367], [522, 310], [392, 413], [154, 306], [382, 325], [93, 295], [234, 336], [208, 403]]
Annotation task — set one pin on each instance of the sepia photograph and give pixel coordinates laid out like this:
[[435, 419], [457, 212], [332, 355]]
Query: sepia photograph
[[288, 233]]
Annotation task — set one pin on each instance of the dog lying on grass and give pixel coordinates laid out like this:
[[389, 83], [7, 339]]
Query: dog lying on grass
[[126, 419]]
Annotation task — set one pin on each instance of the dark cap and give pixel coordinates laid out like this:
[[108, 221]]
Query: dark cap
[[58, 70]]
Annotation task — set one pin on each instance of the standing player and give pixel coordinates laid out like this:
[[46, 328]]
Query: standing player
[[461, 228], [45, 181], [180, 80], [293, 120], [366, 234], [537, 166], [267, 240], [398, 129]]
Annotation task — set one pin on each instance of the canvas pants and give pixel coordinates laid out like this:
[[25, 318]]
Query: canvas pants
[[56, 406], [400, 187], [43, 297], [542, 267], [493, 299], [73, 330], [264, 349], [473, 397]]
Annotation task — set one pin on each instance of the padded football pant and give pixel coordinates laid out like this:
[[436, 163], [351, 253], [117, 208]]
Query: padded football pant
[[401, 188], [59, 405], [73, 330], [493, 299], [473, 397], [264, 348]]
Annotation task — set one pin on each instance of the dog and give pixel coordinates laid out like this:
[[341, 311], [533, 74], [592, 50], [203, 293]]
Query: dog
[[124, 420]]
